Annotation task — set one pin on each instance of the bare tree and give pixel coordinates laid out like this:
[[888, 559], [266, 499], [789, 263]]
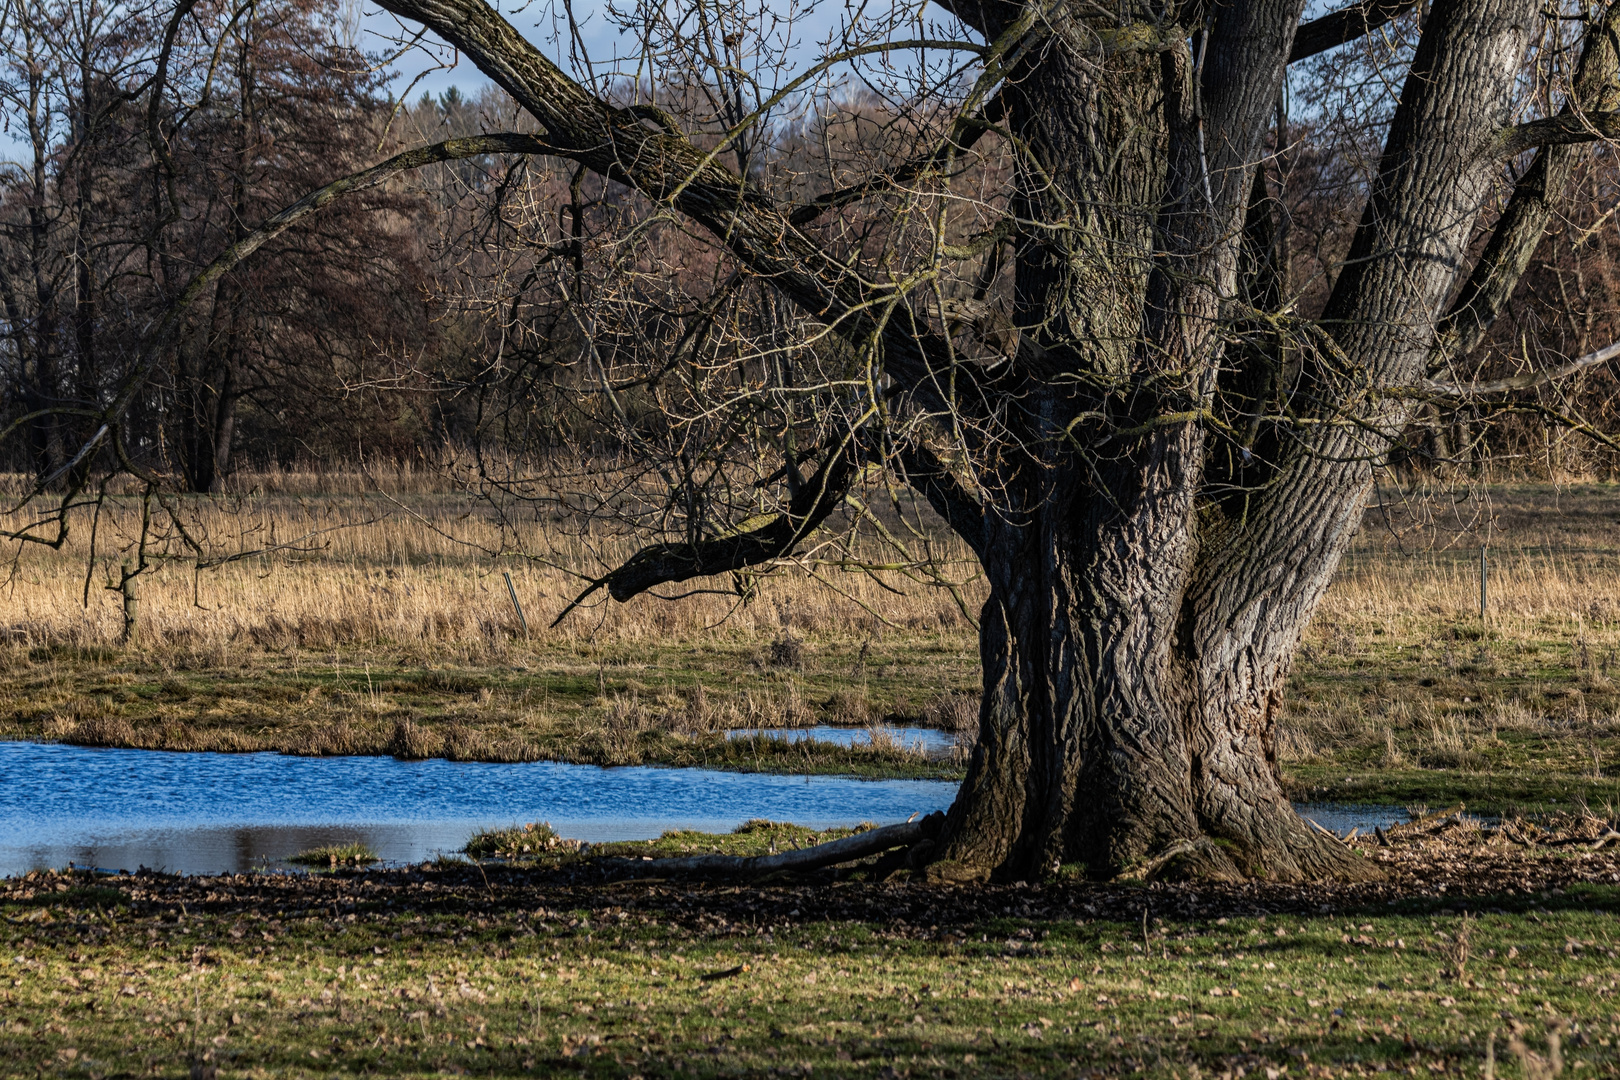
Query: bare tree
[[153, 140], [1160, 476]]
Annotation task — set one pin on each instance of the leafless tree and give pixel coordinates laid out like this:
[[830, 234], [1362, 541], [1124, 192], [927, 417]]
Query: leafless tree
[[147, 143]]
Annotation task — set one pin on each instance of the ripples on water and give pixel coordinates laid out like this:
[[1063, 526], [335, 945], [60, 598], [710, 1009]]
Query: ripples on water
[[206, 813]]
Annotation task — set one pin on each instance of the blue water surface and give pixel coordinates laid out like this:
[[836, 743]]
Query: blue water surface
[[207, 812]]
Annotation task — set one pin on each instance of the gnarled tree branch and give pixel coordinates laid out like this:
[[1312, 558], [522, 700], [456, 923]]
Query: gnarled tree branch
[[1524, 219], [1561, 130], [660, 564], [1345, 25], [965, 133], [670, 169]]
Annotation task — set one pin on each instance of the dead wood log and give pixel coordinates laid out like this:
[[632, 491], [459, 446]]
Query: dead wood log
[[848, 849]]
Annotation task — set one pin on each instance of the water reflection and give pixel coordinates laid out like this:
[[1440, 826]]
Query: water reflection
[[205, 813]]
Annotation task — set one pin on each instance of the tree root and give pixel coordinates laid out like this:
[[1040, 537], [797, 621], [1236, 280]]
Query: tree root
[[1200, 859], [872, 842], [1308, 856], [1292, 852]]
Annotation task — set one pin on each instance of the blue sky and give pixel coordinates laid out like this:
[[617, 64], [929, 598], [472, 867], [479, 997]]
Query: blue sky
[[540, 21]]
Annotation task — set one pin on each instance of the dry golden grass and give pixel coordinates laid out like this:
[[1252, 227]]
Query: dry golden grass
[[364, 563], [399, 559]]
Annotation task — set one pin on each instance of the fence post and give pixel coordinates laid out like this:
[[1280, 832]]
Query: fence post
[[511, 591]]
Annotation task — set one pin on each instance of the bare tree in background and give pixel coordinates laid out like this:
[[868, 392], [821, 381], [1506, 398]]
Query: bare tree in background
[[145, 145], [148, 139]]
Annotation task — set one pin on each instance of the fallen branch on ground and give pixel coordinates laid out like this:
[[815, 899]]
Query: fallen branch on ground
[[848, 849]]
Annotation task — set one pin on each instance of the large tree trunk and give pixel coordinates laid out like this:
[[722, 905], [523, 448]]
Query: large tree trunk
[[1108, 736], [1139, 630]]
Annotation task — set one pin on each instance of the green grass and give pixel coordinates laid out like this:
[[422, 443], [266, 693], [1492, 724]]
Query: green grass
[[518, 842], [538, 843], [1444, 713], [353, 853], [418, 973]]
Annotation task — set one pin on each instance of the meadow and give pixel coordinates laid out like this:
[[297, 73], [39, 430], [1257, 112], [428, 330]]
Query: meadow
[[379, 621], [1474, 958]]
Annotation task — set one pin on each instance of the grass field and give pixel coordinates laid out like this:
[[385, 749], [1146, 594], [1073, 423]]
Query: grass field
[[449, 969], [1479, 956], [390, 630]]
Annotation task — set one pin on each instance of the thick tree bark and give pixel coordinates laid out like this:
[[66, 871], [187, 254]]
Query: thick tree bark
[[1134, 652], [1105, 736]]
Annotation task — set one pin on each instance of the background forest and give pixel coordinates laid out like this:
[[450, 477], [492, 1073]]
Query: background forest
[[446, 312]]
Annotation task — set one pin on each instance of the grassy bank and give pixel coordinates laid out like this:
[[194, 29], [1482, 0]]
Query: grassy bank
[[614, 704], [499, 972], [395, 634]]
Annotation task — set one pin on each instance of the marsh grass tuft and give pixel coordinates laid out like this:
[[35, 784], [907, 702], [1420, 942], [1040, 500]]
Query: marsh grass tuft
[[414, 742], [519, 842], [786, 651], [354, 853], [92, 731]]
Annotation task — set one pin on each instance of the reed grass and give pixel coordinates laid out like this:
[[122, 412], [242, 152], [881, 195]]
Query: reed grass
[[402, 566]]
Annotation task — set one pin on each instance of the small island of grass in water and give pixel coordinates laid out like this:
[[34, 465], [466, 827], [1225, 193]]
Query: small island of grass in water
[[538, 840], [353, 853]]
